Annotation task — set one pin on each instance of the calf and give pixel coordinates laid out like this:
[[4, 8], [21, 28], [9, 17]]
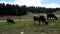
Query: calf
[[10, 21]]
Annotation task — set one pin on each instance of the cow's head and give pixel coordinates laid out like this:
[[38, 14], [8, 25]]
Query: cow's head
[[55, 17]]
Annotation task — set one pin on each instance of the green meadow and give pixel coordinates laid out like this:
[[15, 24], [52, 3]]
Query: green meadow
[[26, 25]]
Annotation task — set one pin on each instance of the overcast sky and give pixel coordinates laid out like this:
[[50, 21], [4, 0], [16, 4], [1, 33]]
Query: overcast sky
[[41, 3]]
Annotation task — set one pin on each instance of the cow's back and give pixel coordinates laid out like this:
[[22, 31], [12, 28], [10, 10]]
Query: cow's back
[[50, 15], [9, 20], [42, 18], [36, 17]]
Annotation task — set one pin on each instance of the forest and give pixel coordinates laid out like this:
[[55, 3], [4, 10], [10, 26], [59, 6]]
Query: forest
[[17, 10]]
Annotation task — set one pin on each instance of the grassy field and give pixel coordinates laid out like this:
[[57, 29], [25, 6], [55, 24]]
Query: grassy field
[[27, 26], [57, 12]]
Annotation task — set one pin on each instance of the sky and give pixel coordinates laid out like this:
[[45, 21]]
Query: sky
[[36, 3]]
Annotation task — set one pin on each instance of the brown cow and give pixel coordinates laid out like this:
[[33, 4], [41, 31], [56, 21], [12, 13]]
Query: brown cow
[[40, 18], [10, 21]]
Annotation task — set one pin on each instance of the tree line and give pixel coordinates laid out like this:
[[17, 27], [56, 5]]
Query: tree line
[[8, 9]]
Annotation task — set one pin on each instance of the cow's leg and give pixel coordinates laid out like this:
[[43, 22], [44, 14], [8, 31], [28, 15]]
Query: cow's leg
[[34, 22], [11, 22], [55, 17], [42, 22], [8, 22], [47, 18], [39, 22], [52, 17], [46, 23]]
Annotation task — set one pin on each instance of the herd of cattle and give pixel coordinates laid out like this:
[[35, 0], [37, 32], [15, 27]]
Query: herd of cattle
[[37, 18]]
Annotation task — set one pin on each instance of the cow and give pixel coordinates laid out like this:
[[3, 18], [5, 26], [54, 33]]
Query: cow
[[40, 18], [51, 16], [10, 21]]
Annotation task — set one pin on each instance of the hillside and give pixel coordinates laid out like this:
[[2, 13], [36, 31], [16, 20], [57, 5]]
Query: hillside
[[57, 12]]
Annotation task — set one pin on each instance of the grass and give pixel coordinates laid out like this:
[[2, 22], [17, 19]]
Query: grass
[[57, 12], [28, 27]]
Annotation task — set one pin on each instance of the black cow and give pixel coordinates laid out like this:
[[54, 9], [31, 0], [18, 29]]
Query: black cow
[[51, 16], [10, 21], [40, 18]]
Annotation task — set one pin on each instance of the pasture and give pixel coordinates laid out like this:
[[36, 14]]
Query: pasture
[[26, 25]]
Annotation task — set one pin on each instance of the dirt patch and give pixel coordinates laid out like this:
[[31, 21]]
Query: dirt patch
[[16, 20]]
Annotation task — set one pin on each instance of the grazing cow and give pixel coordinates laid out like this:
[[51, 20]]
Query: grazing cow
[[51, 16], [10, 21], [40, 18]]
